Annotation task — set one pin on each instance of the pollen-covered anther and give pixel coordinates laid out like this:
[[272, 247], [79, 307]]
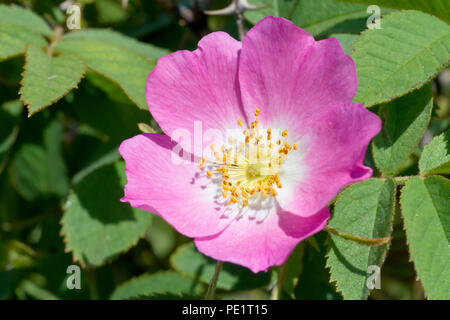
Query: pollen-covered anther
[[249, 164]]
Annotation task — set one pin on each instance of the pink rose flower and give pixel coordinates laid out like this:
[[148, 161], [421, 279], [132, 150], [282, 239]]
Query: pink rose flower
[[296, 139]]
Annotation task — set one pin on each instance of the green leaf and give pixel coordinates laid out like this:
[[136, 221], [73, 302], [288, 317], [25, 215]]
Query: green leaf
[[20, 17], [9, 119], [114, 37], [400, 57], [39, 170], [426, 212], [346, 41], [127, 68], [364, 209], [14, 38], [47, 79], [96, 226], [110, 12], [111, 89], [435, 157], [118, 121], [316, 17], [439, 8], [169, 296], [188, 261], [162, 237], [166, 282], [404, 123]]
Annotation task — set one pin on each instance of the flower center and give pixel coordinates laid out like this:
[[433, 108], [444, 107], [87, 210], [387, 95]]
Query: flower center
[[249, 165]]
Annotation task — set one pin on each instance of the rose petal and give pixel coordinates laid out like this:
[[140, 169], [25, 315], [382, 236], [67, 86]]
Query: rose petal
[[290, 76], [199, 86], [259, 245], [182, 194]]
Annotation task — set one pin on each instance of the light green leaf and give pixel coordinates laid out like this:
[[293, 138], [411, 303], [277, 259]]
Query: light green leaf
[[127, 68], [426, 212], [96, 226], [435, 157], [316, 17], [364, 209], [110, 12], [114, 37], [47, 79], [166, 282], [439, 8], [9, 119], [400, 57], [21, 17], [39, 169], [404, 123], [187, 260], [346, 40], [162, 237], [13, 40], [30, 288]]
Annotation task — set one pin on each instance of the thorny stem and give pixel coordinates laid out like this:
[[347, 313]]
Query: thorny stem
[[213, 284], [366, 241], [239, 20]]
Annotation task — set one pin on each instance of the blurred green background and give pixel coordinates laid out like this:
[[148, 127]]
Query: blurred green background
[[61, 174]]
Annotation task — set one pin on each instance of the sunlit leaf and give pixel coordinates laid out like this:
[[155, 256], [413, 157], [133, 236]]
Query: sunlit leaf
[[366, 210], [316, 17], [111, 36], [439, 8], [401, 56], [96, 226], [14, 39], [21, 17], [127, 68], [426, 212], [47, 79], [435, 157]]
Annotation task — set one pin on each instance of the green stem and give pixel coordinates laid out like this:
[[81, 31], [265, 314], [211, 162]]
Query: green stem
[[57, 34], [277, 292], [401, 181], [213, 284], [361, 240]]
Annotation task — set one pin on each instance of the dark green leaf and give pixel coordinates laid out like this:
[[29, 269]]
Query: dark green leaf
[[9, 119], [404, 123]]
